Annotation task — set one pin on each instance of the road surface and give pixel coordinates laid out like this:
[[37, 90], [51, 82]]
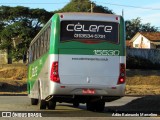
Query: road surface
[[123, 106]]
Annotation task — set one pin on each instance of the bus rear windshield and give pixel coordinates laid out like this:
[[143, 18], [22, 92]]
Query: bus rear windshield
[[89, 30]]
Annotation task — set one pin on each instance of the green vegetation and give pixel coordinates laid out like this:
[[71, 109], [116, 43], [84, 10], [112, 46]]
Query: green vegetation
[[18, 27], [84, 6], [135, 25]]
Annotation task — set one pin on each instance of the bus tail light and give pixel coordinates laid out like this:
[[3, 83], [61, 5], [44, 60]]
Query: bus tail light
[[62, 16], [122, 75], [54, 75]]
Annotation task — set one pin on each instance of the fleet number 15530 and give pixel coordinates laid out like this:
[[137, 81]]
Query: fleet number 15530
[[107, 52]]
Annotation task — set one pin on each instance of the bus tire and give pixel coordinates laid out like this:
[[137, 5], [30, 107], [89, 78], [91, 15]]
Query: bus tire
[[42, 104], [51, 105], [99, 106], [34, 101], [75, 104], [90, 106]]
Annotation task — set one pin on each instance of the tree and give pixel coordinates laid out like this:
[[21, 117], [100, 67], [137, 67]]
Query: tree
[[133, 26], [22, 23], [84, 6], [2, 25], [6, 41]]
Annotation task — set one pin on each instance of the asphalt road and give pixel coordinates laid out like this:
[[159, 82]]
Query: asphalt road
[[21, 105]]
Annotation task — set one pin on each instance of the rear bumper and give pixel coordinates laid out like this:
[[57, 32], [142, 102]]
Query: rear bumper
[[107, 93], [82, 98]]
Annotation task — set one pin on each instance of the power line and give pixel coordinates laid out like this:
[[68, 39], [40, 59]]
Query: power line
[[149, 8], [34, 3]]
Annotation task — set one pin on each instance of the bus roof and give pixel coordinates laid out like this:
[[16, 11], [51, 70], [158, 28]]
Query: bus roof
[[88, 16]]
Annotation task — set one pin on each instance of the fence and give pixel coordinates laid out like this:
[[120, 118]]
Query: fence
[[150, 54]]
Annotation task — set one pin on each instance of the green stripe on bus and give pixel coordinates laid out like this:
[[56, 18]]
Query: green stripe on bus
[[55, 32], [34, 70], [107, 52]]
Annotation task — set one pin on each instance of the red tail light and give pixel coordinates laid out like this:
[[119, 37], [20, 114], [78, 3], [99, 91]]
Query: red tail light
[[122, 75], [54, 75]]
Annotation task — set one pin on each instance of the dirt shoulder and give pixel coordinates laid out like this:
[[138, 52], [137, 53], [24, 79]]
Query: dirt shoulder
[[13, 79], [143, 82], [138, 82]]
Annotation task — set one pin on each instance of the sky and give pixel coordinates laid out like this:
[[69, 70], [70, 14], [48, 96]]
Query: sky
[[147, 10]]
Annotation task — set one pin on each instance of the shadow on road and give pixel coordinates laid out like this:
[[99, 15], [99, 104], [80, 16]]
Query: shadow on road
[[147, 104]]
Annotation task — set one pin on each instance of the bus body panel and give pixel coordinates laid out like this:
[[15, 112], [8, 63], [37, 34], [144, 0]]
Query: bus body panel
[[80, 66], [88, 69], [42, 79], [73, 90], [74, 77], [89, 16]]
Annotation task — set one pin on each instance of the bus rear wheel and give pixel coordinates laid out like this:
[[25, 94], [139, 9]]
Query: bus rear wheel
[[51, 105], [99, 106], [42, 104], [96, 106], [76, 104], [34, 101], [90, 106]]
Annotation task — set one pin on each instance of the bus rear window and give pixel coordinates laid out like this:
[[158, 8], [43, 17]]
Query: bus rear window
[[89, 30]]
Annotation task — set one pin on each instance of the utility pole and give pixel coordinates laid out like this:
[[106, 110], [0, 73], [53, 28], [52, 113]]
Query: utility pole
[[91, 7], [122, 13]]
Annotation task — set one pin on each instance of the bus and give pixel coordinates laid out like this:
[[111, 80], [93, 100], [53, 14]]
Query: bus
[[77, 58]]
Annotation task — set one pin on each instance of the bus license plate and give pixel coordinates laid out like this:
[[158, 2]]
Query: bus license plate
[[88, 91]]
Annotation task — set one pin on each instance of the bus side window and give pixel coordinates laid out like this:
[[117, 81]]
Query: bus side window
[[48, 38], [29, 55], [42, 45], [37, 48], [35, 51]]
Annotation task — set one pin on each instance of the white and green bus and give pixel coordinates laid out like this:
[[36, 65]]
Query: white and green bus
[[78, 58]]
